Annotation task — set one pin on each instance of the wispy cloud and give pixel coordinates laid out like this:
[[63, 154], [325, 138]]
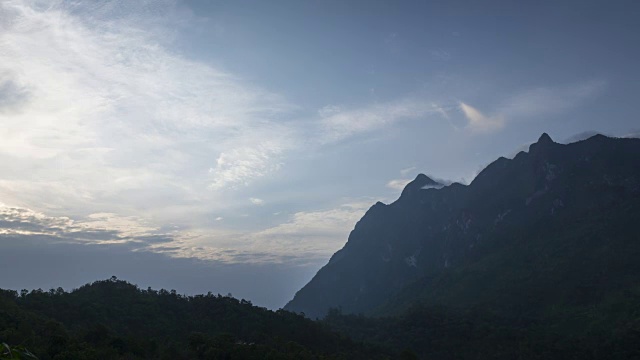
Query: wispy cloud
[[440, 54], [256, 201], [632, 134], [480, 123], [339, 124], [312, 234], [96, 105], [398, 184], [239, 166]]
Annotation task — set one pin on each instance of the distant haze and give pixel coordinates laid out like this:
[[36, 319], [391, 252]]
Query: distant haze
[[231, 146]]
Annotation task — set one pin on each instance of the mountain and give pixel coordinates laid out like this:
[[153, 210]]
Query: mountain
[[553, 228]]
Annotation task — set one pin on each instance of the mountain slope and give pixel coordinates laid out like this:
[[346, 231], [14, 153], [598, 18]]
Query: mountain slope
[[522, 234]]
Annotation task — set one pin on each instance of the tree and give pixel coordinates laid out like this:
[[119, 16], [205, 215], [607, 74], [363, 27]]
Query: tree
[[17, 352]]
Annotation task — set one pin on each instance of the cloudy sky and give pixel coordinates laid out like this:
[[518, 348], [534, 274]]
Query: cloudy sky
[[230, 146]]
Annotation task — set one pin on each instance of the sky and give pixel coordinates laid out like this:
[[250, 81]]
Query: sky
[[231, 146]]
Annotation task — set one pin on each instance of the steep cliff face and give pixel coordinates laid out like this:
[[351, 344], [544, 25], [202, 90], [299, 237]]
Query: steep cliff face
[[397, 250]]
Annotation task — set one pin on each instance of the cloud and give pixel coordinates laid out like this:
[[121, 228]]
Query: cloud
[[256, 201], [72, 252], [12, 95], [97, 229], [98, 112], [398, 184], [311, 235], [239, 166], [632, 134], [340, 124], [478, 122], [307, 237], [22, 221]]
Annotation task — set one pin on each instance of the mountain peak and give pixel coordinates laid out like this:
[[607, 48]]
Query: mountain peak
[[418, 183], [421, 181], [545, 139], [422, 178], [544, 142]]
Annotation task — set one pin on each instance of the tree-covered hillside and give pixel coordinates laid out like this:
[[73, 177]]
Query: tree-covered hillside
[[479, 333], [113, 319]]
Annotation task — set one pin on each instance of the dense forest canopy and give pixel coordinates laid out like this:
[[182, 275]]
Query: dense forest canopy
[[113, 319]]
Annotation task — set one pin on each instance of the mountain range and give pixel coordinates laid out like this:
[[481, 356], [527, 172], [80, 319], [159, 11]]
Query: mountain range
[[546, 234]]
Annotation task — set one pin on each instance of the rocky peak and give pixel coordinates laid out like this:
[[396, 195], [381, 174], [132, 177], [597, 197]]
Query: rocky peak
[[545, 139], [544, 142]]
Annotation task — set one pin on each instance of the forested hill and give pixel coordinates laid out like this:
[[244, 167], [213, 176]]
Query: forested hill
[[113, 319]]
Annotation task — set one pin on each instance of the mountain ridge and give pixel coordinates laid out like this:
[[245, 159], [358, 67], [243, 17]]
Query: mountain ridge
[[426, 232]]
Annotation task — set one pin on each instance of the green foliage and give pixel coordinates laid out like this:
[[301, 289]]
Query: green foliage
[[16, 352]]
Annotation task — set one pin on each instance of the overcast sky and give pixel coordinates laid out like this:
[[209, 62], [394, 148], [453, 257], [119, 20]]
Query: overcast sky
[[230, 146]]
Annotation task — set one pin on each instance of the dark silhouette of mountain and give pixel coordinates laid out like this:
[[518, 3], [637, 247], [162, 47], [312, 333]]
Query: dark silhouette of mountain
[[553, 228]]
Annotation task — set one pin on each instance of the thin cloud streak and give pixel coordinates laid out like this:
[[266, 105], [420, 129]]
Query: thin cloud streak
[[398, 184], [338, 124]]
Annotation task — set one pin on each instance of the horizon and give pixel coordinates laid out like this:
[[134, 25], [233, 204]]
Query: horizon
[[208, 146]]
